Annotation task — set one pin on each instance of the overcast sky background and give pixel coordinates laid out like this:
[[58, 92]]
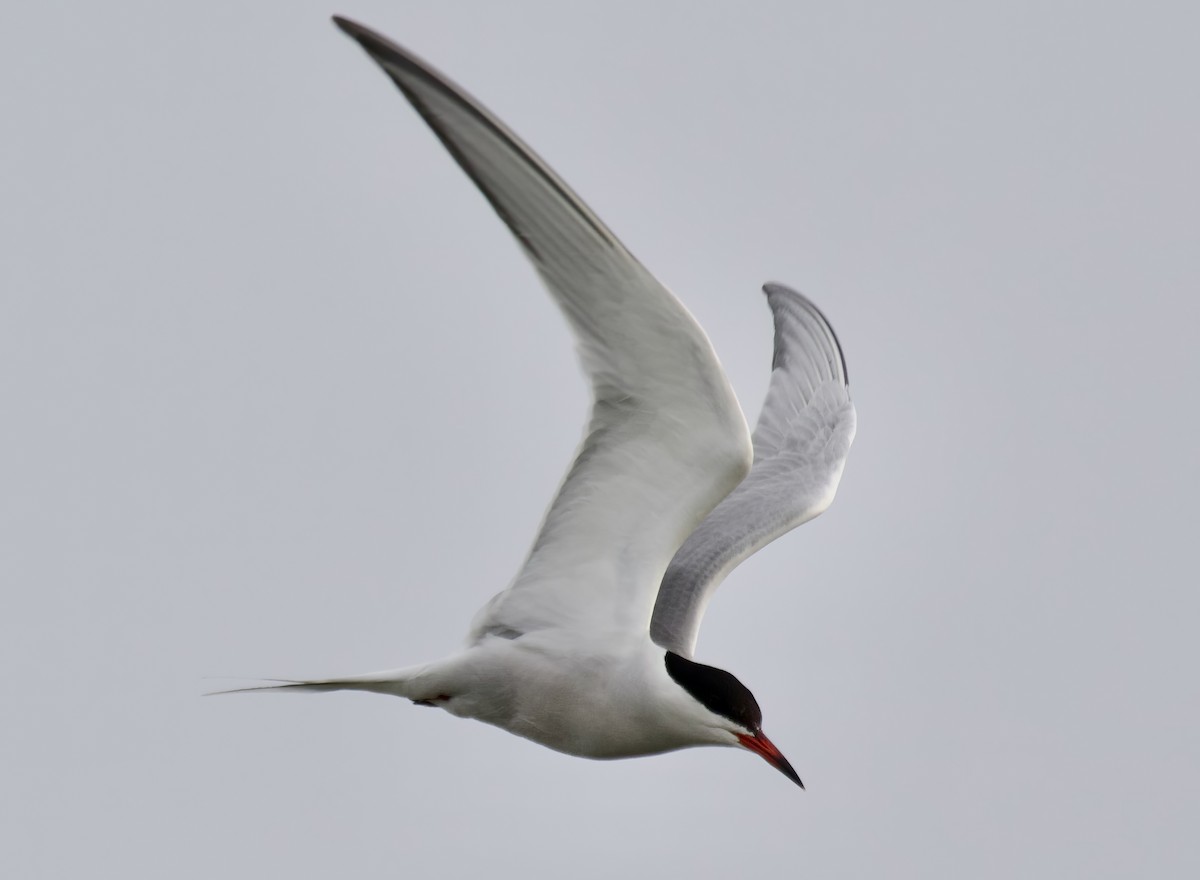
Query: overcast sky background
[[281, 397]]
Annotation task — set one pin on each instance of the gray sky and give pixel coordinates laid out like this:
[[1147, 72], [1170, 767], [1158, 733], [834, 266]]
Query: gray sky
[[281, 397]]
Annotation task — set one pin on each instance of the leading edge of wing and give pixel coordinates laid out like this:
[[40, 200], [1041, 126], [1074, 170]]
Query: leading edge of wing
[[400, 65], [666, 440], [801, 442]]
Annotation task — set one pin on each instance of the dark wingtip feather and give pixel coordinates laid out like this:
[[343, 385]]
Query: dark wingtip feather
[[375, 43], [353, 28], [774, 288]]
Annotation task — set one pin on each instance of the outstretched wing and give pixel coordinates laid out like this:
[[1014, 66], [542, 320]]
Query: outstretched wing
[[800, 447], [666, 440]]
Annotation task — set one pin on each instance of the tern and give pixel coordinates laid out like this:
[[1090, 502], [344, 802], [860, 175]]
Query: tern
[[589, 650]]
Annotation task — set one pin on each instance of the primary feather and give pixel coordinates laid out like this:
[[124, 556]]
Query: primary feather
[[800, 446], [666, 440]]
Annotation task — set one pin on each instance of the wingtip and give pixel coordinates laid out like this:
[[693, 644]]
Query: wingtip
[[773, 287], [390, 55], [347, 25], [373, 42]]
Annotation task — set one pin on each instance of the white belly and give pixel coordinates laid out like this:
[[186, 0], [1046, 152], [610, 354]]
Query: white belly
[[594, 704]]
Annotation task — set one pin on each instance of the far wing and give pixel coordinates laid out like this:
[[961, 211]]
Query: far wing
[[666, 440], [800, 447]]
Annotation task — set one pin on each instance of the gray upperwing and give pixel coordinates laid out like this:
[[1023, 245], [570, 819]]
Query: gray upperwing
[[547, 218], [800, 446], [666, 440]]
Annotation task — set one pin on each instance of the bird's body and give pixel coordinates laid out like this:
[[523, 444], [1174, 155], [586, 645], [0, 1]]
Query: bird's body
[[607, 699], [588, 651], [597, 696]]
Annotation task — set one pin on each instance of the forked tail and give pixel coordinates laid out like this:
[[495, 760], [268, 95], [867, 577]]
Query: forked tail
[[397, 682]]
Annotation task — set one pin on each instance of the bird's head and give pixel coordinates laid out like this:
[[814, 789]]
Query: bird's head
[[734, 713]]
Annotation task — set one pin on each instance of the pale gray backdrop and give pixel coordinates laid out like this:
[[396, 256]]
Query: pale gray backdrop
[[280, 396]]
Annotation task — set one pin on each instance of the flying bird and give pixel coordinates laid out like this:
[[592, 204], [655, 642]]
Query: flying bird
[[589, 651]]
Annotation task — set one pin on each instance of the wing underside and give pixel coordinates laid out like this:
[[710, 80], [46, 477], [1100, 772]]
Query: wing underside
[[800, 446]]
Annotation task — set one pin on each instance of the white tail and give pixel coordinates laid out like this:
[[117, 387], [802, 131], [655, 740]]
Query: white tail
[[397, 682]]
